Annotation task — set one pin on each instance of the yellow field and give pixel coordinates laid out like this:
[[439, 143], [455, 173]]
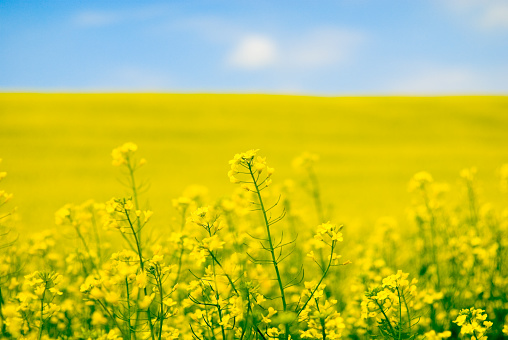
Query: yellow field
[[194, 233], [56, 146]]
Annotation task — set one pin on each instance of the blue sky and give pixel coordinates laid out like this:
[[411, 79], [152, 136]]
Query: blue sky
[[305, 47]]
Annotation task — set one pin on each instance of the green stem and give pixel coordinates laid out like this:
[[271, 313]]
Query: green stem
[[472, 204], [325, 272], [128, 308], [219, 310], [321, 321], [400, 314], [272, 250], [112, 316], [97, 236], [42, 311], [161, 297], [87, 249], [134, 192], [180, 257], [1, 305], [407, 311], [386, 317], [432, 237], [316, 194], [225, 274], [141, 264]]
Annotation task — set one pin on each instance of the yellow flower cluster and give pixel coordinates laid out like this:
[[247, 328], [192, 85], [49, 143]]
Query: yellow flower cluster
[[473, 322], [251, 166], [433, 335], [331, 230], [390, 304], [122, 154], [419, 181]]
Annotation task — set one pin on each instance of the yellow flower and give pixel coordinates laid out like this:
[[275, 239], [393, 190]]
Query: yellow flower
[[169, 302], [112, 297], [225, 320], [122, 153], [96, 293], [468, 174], [98, 319], [34, 279], [55, 291], [148, 214], [273, 332], [213, 243], [472, 321], [39, 291], [147, 300], [141, 279], [432, 335], [419, 181], [271, 312], [128, 205]]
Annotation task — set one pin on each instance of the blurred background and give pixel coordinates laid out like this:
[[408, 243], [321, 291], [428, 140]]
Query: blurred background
[[306, 47], [56, 147]]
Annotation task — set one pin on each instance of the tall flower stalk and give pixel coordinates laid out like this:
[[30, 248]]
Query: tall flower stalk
[[257, 177]]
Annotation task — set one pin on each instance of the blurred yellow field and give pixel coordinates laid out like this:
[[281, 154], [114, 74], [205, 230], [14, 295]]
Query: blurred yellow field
[[56, 146], [172, 216]]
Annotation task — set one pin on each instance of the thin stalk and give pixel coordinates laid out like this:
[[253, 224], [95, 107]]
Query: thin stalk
[[386, 317], [225, 274], [400, 314], [249, 311], [134, 192], [407, 311], [223, 331], [432, 223], [97, 237], [325, 272], [1, 305], [128, 308], [141, 264], [323, 328], [472, 204], [272, 250], [180, 257], [161, 297], [316, 195], [216, 287], [80, 235], [42, 311], [112, 316], [321, 321]]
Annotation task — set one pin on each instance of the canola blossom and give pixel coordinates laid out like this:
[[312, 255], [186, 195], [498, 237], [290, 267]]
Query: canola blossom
[[267, 262]]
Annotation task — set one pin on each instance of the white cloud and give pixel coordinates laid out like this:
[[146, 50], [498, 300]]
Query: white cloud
[[428, 79], [131, 77], [323, 47], [484, 14], [495, 16], [435, 80], [319, 48], [254, 52], [97, 18]]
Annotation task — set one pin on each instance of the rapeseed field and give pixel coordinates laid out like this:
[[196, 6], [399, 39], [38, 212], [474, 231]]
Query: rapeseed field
[[152, 216]]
